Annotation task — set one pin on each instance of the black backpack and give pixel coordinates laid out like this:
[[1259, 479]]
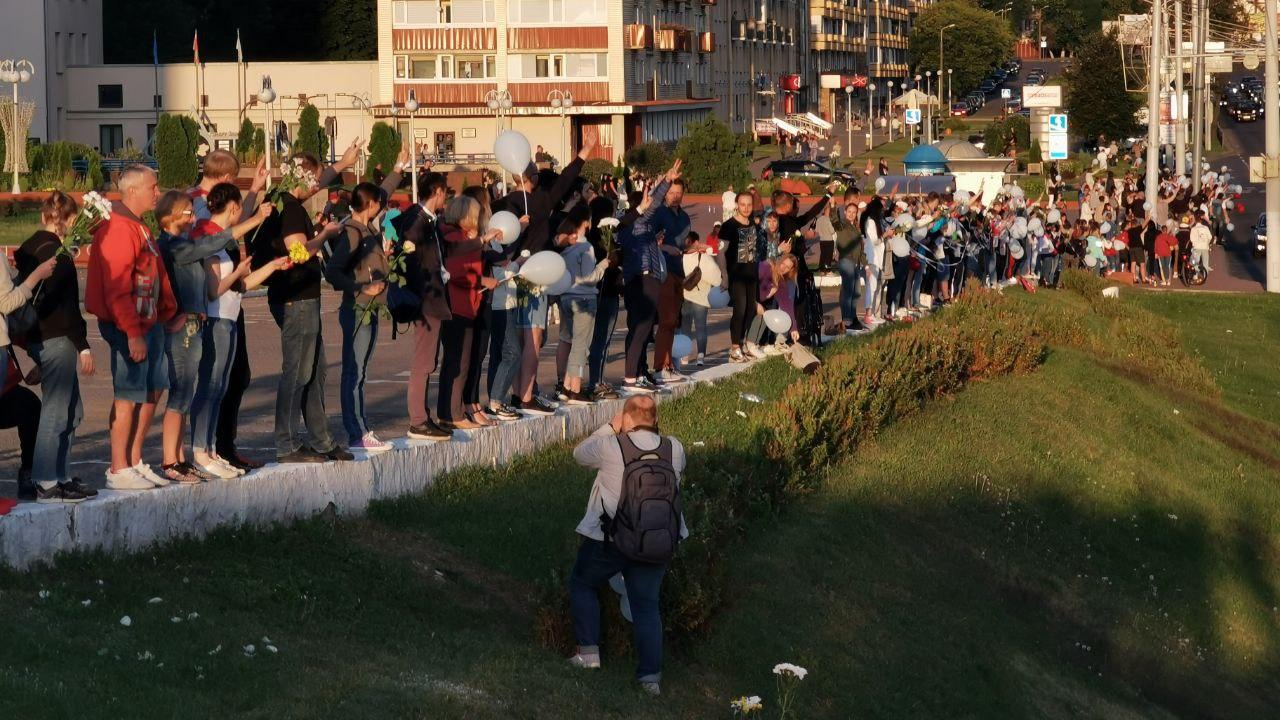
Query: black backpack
[[646, 526]]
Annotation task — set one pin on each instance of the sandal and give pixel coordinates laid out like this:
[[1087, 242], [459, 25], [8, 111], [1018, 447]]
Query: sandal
[[479, 418]]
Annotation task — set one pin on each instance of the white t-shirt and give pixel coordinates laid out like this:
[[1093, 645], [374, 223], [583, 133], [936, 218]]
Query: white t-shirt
[[226, 307]]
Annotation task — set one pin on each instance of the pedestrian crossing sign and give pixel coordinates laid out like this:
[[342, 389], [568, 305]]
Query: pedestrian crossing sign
[[912, 116]]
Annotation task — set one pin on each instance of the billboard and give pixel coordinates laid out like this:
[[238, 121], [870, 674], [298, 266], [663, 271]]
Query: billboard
[[1042, 96]]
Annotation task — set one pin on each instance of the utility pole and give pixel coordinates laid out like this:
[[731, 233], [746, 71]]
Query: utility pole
[[1272, 149], [1154, 83], [1197, 95], [1180, 123], [1206, 92]]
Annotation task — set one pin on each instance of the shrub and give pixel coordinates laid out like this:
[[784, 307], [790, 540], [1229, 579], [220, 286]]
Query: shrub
[[996, 138], [384, 148], [245, 142], [714, 157], [595, 167], [652, 159], [311, 136], [1019, 130], [174, 154], [1033, 154], [94, 178], [1034, 187], [955, 124], [259, 142]]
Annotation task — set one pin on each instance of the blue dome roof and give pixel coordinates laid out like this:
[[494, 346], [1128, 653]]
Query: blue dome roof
[[925, 155]]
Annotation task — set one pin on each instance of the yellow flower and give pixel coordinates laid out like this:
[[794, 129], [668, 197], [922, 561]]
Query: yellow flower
[[298, 253]]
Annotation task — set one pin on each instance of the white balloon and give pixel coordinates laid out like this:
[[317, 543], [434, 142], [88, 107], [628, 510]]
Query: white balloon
[[512, 151], [1119, 244], [1090, 260], [1224, 168], [1017, 191], [507, 222], [962, 197], [919, 233], [899, 245], [1147, 206], [1204, 165], [1231, 227], [777, 321], [1230, 204], [1019, 229], [1104, 228], [560, 286], [543, 268], [1055, 216], [1015, 250], [718, 298], [1035, 226], [681, 346], [879, 184]]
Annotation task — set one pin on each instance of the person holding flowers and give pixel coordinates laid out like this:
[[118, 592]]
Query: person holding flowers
[[224, 282], [466, 284], [127, 289], [293, 296]]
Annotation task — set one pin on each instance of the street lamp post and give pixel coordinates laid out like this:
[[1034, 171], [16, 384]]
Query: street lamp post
[[942, 64], [412, 106], [916, 88], [848, 119], [928, 105], [889, 114], [267, 95], [949, 99], [871, 109], [499, 101], [561, 101], [16, 72]]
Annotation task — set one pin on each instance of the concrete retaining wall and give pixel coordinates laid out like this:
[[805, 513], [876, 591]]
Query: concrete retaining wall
[[124, 522]]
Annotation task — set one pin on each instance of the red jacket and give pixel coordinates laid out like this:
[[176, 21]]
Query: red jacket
[[126, 284], [463, 258]]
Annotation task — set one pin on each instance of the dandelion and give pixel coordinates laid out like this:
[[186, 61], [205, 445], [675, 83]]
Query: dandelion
[[789, 677], [298, 253]]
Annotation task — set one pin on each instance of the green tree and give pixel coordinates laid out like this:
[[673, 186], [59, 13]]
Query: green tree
[[649, 158], [1096, 98], [384, 148], [714, 157], [995, 138], [244, 141], [311, 136], [259, 141], [174, 155], [1019, 129], [978, 41], [1034, 155]]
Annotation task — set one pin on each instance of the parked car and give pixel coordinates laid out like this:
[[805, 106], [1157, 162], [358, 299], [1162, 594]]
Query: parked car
[[1260, 236], [987, 87], [1012, 105], [976, 99], [808, 170], [1243, 110], [961, 109]]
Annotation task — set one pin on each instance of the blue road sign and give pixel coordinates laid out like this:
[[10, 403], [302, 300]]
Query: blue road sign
[[912, 116]]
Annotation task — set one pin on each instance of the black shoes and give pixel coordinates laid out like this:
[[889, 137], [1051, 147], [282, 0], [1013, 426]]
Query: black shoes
[[536, 407], [428, 431], [604, 391], [577, 398], [339, 454], [58, 494], [503, 412], [301, 455]]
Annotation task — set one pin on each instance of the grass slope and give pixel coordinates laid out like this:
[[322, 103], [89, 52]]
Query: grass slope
[[1075, 542]]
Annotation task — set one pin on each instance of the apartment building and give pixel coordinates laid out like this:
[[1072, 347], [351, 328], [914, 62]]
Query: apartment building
[[860, 38], [53, 35]]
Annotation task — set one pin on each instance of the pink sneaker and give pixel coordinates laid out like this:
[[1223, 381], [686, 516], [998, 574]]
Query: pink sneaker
[[371, 444]]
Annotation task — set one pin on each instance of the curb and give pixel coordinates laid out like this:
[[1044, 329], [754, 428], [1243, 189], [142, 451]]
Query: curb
[[122, 522]]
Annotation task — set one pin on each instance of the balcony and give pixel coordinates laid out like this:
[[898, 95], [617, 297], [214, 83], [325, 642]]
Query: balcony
[[674, 38], [638, 37], [706, 42]]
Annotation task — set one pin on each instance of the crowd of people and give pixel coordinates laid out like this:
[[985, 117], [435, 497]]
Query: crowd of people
[[167, 302]]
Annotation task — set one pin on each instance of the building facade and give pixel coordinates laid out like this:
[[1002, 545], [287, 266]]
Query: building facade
[[54, 35], [866, 38]]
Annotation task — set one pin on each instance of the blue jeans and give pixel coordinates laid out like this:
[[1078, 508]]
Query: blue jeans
[[183, 350], [61, 409], [220, 339], [917, 280], [606, 322], [302, 375], [597, 562], [850, 274], [358, 340], [695, 325], [504, 353]]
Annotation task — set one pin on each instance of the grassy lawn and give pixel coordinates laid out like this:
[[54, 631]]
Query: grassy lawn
[[1079, 541], [15, 229]]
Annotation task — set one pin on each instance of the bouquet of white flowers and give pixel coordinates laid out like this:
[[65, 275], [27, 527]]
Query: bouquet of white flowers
[[293, 176], [94, 210], [608, 227]]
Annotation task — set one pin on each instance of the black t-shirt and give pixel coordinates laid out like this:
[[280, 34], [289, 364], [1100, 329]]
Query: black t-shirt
[[742, 246], [300, 282]]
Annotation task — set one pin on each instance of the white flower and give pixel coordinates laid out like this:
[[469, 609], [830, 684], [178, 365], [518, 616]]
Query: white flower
[[175, 619], [789, 669], [126, 621], [43, 594], [250, 649], [86, 603], [145, 656], [608, 222], [273, 649], [216, 650], [409, 246], [747, 705]]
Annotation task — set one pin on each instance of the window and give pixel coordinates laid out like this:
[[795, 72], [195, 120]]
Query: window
[[560, 65], [577, 12], [443, 12], [110, 138], [110, 96], [151, 133], [470, 66], [424, 68]]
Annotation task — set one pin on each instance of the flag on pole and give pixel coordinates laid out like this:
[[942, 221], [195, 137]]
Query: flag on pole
[[155, 48], [195, 47], [239, 49]]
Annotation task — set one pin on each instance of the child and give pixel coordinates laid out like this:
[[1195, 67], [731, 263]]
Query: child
[[225, 284], [578, 304], [700, 258]]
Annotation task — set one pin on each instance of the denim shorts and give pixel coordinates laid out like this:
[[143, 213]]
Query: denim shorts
[[533, 310], [183, 350], [133, 381]]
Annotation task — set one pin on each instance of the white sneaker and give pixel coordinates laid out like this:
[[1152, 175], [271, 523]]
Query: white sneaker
[[128, 479], [700, 361], [775, 349], [149, 475], [217, 469], [236, 472], [753, 350], [671, 376]]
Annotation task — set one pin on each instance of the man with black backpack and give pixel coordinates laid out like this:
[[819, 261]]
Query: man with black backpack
[[632, 527]]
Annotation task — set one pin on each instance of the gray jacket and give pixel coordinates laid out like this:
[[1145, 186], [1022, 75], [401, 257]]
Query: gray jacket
[[580, 260]]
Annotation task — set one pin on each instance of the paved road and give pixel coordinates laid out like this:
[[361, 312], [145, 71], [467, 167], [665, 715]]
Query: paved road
[[388, 378]]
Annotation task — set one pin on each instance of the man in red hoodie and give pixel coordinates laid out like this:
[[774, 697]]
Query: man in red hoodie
[[128, 290]]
